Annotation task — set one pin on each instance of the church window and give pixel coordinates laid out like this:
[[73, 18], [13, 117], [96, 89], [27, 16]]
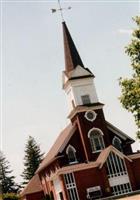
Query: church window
[[90, 115], [117, 143], [117, 174], [96, 139], [71, 186], [85, 99], [71, 153]]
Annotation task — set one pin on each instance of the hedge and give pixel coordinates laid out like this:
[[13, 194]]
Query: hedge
[[10, 196]]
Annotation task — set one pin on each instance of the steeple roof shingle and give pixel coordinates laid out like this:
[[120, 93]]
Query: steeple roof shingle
[[72, 57]]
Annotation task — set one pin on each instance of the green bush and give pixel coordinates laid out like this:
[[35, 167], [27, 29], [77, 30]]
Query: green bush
[[10, 196]]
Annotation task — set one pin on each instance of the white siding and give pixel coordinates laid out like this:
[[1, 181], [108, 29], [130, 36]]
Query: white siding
[[58, 188]]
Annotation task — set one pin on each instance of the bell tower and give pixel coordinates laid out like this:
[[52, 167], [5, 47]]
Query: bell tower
[[85, 110], [78, 81]]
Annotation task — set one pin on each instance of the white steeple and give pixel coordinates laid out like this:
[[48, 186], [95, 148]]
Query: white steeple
[[78, 81]]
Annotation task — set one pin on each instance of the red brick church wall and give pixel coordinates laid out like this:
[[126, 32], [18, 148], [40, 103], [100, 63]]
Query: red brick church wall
[[35, 196], [136, 171], [84, 125], [90, 178]]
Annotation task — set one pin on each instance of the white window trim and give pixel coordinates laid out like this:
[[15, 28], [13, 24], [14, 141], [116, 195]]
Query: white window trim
[[95, 115], [70, 146], [94, 189], [71, 186], [115, 139], [96, 129], [101, 133], [98, 151], [67, 151]]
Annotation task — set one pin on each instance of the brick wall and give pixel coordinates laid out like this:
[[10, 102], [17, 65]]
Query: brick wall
[[136, 171], [35, 196], [90, 178]]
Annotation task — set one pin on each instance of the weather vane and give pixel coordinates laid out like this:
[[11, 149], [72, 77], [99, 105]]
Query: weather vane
[[60, 9]]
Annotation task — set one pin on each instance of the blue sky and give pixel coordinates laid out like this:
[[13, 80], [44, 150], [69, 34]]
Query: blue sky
[[32, 64]]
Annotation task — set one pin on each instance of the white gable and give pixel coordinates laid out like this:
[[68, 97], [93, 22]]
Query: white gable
[[78, 84], [105, 153], [79, 71]]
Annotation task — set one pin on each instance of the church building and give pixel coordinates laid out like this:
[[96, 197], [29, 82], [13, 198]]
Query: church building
[[91, 158]]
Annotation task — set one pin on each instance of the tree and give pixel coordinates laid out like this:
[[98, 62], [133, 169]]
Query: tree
[[32, 159], [7, 183], [130, 87]]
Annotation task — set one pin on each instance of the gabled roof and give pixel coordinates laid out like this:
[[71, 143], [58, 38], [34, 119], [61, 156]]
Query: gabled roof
[[105, 153], [78, 167], [58, 146], [72, 57], [98, 163], [33, 186], [134, 156], [65, 136], [93, 164], [119, 132], [74, 168]]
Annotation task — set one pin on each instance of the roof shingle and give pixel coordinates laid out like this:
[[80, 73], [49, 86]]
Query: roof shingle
[[33, 186], [58, 146]]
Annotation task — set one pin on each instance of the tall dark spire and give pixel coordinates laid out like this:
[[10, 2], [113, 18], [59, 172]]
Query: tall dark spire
[[72, 57]]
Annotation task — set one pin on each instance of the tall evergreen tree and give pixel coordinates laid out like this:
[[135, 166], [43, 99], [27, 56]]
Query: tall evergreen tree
[[130, 87], [7, 183], [32, 159]]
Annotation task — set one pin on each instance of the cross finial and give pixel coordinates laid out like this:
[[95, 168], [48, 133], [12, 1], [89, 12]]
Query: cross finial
[[60, 9]]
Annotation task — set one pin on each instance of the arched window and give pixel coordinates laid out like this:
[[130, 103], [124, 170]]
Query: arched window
[[71, 152], [96, 139], [117, 143]]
